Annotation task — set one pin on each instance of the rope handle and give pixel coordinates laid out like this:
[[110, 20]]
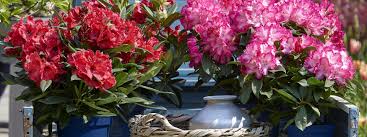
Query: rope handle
[[146, 121]]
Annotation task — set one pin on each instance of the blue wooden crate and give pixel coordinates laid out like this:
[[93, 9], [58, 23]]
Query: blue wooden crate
[[345, 118]]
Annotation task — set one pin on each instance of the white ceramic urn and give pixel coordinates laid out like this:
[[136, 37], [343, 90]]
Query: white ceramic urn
[[220, 112]]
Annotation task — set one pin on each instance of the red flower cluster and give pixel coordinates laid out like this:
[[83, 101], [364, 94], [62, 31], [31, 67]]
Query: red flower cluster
[[38, 47], [151, 54], [101, 28], [95, 69], [139, 15]]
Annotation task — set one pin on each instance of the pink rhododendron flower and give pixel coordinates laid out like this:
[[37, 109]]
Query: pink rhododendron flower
[[252, 13], [275, 33], [291, 25], [94, 68], [195, 55], [217, 41], [332, 63], [258, 58], [211, 21]]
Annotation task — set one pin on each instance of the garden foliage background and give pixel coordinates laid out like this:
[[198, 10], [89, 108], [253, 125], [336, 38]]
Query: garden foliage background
[[353, 14]]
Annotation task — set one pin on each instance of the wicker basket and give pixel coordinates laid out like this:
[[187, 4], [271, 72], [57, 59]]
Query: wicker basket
[[144, 126]]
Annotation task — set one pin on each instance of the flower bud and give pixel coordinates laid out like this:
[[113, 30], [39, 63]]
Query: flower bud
[[355, 46]]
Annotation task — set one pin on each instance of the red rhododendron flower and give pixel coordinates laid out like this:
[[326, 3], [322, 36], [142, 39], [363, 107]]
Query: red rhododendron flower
[[24, 33], [151, 55], [95, 69], [139, 14], [104, 29], [39, 68], [38, 47]]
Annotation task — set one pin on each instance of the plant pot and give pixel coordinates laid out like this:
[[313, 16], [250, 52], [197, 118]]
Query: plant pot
[[96, 127], [312, 131]]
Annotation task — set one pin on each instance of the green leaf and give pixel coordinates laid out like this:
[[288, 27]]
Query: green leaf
[[70, 108], [329, 83], [303, 83], [105, 114], [316, 96], [314, 82], [286, 95], [207, 64], [315, 109], [245, 94], [292, 90], [237, 63], [152, 72], [123, 90], [155, 90], [74, 77], [108, 100], [170, 19], [26, 95], [301, 119], [308, 49], [168, 59], [9, 79], [135, 100], [122, 48], [279, 69], [147, 10], [5, 44], [256, 86], [45, 84], [303, 71], [152, 106], [121, 78], [93, 105], [118, 70], [51, 100], [172, 8], [267, 93], [288, 124], [85, 119]]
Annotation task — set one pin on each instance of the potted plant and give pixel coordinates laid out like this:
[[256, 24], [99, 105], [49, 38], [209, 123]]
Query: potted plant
[[159, 18], [86, 69], [11, 12], [289, 54]]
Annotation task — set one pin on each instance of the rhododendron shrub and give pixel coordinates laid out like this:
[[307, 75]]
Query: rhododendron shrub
[[278, 48], [94, 59]]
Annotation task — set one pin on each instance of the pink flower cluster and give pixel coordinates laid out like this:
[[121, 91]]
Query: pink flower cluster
[[195, 55], [211, 21], [330, 62], [259, 57], [219, 22]]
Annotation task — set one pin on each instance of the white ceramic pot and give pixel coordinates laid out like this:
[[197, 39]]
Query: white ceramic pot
[[220, 112]]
